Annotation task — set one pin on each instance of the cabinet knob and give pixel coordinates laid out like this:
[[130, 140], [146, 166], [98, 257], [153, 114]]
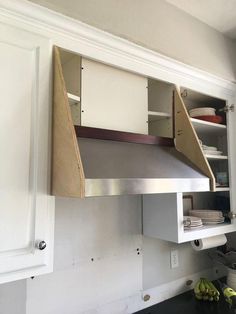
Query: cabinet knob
[[232, 215], [41, 245]]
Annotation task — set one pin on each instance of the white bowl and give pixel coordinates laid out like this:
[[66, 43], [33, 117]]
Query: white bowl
[[205, 111]]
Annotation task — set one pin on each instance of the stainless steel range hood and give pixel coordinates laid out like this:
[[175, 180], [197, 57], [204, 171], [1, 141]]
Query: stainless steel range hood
[[116, 167], [95, 162]]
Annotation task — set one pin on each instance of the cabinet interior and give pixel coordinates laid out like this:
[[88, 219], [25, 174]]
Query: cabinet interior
[[211, 134], [71, 68], [207, 200], [160, 108]]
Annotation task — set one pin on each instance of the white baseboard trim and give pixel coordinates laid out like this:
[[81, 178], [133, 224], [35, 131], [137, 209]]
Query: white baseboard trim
[[157, 294]]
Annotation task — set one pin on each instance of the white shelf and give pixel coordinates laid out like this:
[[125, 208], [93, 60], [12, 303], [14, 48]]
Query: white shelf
[[216, 157], [73, 99], [207, 231], [222, 189], [206, 127], [155, 116]]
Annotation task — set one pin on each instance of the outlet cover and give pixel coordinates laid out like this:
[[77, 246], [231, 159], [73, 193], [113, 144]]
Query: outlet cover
[[174, 259]]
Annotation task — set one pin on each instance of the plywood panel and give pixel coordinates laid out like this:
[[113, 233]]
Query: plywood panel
[[186, 139], [67, 169]]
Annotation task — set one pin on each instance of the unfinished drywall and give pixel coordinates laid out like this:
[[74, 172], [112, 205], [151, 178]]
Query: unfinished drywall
[[99, 257], [159, 26]]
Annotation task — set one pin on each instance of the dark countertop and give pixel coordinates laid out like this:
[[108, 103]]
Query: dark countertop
[[187, 304]]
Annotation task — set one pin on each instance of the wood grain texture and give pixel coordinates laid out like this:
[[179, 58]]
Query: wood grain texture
[[104, 134], [67, 170], [186, 139]]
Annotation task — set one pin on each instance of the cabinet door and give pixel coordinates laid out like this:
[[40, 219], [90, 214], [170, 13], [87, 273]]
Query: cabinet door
[[112, 98], [26, 209]]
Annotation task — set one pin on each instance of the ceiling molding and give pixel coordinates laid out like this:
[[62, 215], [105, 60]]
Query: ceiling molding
[[103, 46]]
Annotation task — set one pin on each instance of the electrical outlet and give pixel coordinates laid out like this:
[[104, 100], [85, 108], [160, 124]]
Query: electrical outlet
[[174, 259]]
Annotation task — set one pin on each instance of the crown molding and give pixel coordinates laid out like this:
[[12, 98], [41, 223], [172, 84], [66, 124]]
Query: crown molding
[[97, 44]]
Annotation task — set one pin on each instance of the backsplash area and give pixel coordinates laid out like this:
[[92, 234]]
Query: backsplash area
[[101, 257]]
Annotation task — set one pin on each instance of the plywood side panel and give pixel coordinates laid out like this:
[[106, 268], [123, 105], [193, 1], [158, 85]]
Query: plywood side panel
[[67, 169], [186, 139]]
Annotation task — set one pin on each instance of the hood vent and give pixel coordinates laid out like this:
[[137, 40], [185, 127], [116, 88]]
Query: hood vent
[[95, 162], [116, 163]]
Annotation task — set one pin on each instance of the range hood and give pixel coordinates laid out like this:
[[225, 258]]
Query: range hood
[[116, 163], [95, 162]]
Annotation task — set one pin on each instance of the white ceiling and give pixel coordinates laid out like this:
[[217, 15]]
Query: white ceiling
[[219, 14]]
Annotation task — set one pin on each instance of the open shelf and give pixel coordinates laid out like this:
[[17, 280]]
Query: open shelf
[[73, 99], [155, 116], [206, 127], [208, 231], [216, 157], [222, 189]]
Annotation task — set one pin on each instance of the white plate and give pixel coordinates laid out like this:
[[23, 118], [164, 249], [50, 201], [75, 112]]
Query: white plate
[[192, 218], [210, 218], [205, 111], [213, 222], [206, 212], [212, 152], [211, 148], [193, 227]]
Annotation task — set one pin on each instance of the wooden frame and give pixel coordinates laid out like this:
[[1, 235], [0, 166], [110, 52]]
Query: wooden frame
[[105, 134], [67, 170], [186, 140]]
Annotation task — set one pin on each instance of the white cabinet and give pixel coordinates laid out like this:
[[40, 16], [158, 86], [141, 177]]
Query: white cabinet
[[163, 218], [163, 215], [107, 97], [113, 98], [26, 209]]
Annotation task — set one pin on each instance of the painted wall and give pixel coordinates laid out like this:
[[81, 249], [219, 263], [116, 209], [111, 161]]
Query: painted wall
[[157, 25], [97, 240], [13, 298], [99, 257]]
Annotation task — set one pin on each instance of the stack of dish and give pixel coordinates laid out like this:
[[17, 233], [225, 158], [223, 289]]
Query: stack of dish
[[211, 150], [191, 222], [206, 114], [208, 217]]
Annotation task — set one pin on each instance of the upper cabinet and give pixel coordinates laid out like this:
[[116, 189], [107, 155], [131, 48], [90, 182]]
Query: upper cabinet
[[103, 96], [93, 94], [27, 209], [204, 134], [209, 118], [160, 108]]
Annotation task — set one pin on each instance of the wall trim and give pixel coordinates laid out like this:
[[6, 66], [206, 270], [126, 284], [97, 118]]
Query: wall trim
[[157, 294], [106, 47]]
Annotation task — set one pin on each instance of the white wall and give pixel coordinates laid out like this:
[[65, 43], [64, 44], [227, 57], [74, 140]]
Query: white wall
[[105, 229], [109, 229], [13, 298], [159, 26]]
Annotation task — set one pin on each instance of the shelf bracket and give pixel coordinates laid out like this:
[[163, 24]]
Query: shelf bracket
[[227, 108]]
